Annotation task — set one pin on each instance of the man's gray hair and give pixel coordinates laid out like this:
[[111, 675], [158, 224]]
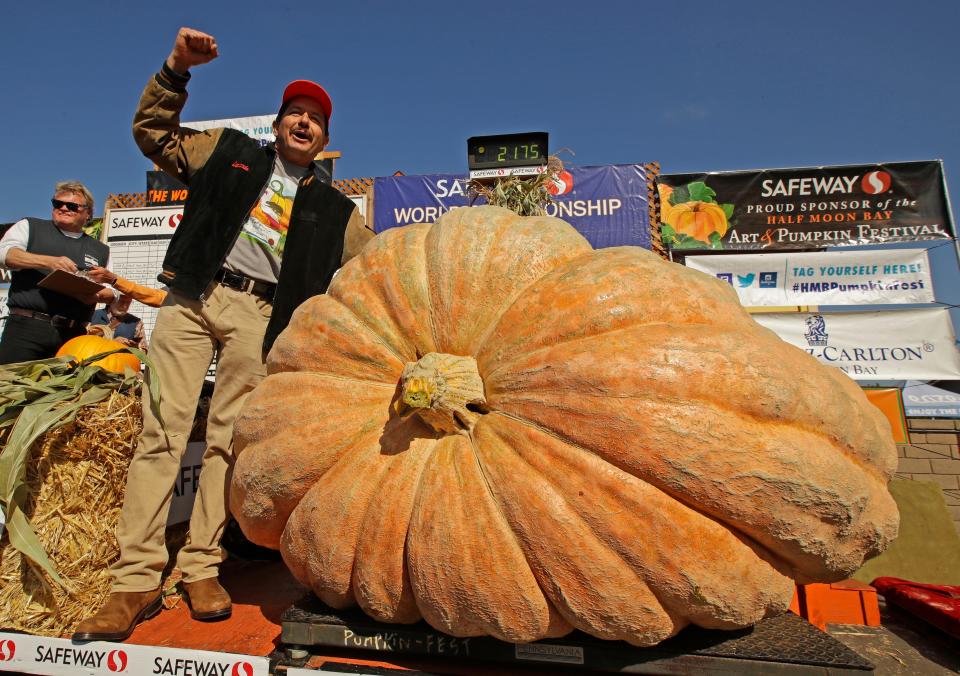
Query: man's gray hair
[[77, 187]]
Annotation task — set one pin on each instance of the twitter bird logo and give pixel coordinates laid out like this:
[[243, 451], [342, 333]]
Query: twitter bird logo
[[745, 280]]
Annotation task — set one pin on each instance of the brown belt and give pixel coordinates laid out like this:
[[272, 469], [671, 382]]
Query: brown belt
[[56, 320]]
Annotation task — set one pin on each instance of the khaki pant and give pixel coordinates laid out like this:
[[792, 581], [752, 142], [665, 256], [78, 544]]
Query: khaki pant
[[187, 335]]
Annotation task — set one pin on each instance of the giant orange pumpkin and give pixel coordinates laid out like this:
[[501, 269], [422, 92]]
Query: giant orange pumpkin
[[82, 347], [489, 425]]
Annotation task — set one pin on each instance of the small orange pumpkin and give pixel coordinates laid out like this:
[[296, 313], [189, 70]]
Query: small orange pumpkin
[[82, 347], [698, 219]]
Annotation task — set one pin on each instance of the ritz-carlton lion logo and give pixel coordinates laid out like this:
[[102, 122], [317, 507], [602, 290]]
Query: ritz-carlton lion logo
[[816, 334]]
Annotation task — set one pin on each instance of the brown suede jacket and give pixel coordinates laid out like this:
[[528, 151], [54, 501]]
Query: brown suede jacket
[[181, 151]]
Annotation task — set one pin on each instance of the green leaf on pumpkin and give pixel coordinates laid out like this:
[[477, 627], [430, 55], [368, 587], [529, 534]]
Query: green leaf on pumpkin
[[701, 192]]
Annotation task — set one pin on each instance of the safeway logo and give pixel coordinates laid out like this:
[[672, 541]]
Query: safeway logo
[[117, 660], [560, 184], [7, 650], [242, 669], [875, 182], [174, 220]]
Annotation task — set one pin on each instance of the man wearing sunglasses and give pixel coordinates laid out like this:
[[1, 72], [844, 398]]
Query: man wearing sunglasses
[[41, 320], [262, 231]]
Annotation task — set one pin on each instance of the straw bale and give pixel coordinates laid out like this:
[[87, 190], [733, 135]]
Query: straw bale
[[76, 479]]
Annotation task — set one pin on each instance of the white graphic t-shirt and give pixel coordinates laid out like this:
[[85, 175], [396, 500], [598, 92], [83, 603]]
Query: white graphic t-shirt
[[258, 251]]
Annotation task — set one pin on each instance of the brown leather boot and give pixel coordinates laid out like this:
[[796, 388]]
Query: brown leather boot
[[118, 617], [207, 599]]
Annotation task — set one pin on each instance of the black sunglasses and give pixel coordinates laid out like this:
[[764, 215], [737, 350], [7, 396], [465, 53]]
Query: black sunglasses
[[71, 206]]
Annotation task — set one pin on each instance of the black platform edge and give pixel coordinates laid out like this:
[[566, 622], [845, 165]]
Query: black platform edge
[[784, 639]]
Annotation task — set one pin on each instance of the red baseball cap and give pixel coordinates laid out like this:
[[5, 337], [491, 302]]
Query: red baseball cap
[[311, 90]]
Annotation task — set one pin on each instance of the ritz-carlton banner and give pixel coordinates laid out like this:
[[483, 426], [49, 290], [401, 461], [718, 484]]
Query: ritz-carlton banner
[[806, 208]]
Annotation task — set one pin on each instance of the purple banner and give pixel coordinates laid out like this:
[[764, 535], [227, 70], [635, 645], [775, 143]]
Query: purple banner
[[609, 205]]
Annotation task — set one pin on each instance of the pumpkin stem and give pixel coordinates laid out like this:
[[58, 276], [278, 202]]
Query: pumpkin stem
[[445, 390]]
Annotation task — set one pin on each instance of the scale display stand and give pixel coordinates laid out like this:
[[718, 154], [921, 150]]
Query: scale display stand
[[786, 644], [493, 157]]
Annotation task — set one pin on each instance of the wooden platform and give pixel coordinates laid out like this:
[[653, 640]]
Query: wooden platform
[[785, 644], [261, 591], [266, 599]]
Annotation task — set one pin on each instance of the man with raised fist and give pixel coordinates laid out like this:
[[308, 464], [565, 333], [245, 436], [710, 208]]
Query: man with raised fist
[[261, 232]]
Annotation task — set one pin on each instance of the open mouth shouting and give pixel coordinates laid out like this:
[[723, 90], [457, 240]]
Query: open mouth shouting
[[301, 135]]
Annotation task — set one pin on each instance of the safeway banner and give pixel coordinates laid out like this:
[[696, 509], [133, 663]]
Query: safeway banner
[[609, 205], [138, 240], [894, 345], [23, 653], [890, 276], [805, 208]]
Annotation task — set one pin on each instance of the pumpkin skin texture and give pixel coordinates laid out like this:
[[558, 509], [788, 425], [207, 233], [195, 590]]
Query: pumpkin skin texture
[[630, 454], [82, 347]]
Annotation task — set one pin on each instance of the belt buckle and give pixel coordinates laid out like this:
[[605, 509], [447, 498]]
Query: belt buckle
[[60, 320], [234, 280]]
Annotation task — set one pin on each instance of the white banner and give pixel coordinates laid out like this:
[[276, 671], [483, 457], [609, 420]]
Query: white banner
[[894, 345], [185, 487], [23, 653], [138, 240], [926, 401], [4, 309], [824, 278], [259, 127]]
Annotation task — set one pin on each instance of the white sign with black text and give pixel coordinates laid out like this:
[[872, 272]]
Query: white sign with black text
[[138, 240], [921, 400], [890, 276], [188, 480]]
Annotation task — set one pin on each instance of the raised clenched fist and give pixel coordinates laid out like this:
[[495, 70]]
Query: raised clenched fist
[[191, 48]]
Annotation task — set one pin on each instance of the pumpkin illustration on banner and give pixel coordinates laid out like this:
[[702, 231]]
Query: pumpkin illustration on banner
[[691, 218], [491, 426], [82, 347]]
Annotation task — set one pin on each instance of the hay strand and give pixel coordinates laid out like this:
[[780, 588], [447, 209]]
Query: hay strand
[[76, 477]]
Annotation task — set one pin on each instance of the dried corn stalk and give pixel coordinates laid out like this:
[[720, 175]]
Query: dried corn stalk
[[523, 195]]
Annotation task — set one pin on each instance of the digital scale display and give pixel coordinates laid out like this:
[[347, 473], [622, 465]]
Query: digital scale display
[[504, 154]]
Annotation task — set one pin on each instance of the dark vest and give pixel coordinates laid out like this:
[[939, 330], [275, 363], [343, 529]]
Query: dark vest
[[46, 239], [127, 328], [222, 193]]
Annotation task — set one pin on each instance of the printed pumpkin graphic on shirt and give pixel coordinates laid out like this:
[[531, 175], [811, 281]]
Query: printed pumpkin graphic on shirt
[[270, 218]]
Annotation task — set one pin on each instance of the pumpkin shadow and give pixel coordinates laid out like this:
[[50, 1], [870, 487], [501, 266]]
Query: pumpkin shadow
[[399, 432]]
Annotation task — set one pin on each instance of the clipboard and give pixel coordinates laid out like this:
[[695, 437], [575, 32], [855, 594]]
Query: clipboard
[[69, 284]]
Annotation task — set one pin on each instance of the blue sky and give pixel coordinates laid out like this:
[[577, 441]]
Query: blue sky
[[693, 85]]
